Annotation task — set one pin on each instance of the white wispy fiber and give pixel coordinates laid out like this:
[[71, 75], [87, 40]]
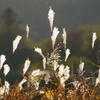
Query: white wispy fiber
[[94, 37], [67, 53], [2, 90], [51, 14], [67, 72], [81, 67], [55, 63], [61, 70], [16, 42], [6, 69], [54, 36], [64, 38], [76, 84], [26, 65], [2, 60], [36, 84], [21, 83], [98, 79], [7, 87], [64, 74], [27, 31], [38, 50], [35, 72]]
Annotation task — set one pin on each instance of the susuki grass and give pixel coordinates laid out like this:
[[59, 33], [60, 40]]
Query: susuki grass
[[54, 82]]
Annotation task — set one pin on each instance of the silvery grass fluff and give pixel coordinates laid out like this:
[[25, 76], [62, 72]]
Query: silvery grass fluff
[[67, 53], [63, 74], [16, 42], [94, 37], [54, 36], [5, 88], [38, 50], [2, 60], [21, 83], [81, 67], [51, 15], [6, 69], [98, 79], [27, 31], [26, 65], [64, 35]]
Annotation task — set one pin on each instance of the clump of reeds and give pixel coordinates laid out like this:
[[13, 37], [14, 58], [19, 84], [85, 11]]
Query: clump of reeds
[[54, 82]]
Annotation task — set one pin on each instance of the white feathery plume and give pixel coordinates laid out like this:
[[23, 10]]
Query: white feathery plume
[[38, 50], [64, 38], [35, 72], [2, 90], [81, 66], [44, 63], [94, 37], [26, 65], [61, 70], [2, 60], [16, 42], [51, 14], [54, 36], [55, 65], [98, 79], [7, 87], [6, 69], [67, 53], [64, 74], [27, 31], [21, 83], [67, 72], [62, 80]]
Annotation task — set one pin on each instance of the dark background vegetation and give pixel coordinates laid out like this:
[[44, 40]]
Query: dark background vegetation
[[79, 17]]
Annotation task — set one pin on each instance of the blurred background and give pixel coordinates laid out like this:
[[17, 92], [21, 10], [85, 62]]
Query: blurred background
[[79, 17]]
